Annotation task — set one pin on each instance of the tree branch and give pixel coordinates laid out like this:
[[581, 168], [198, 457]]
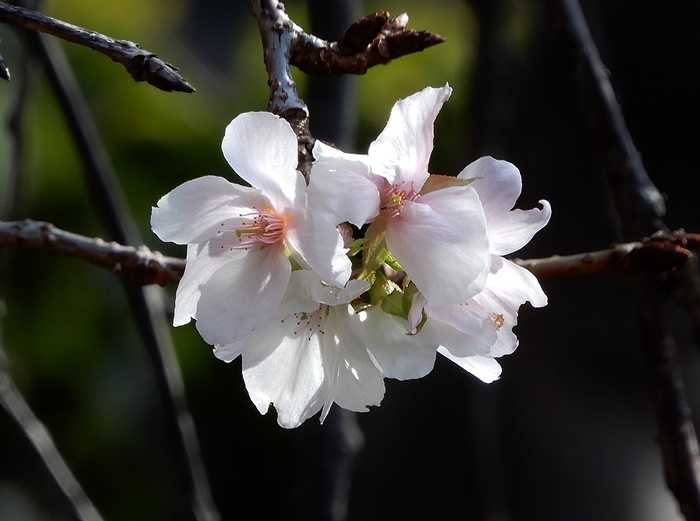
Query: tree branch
[[141, 266], [375, 39], [37, 434], [143, 65], [636, 195]]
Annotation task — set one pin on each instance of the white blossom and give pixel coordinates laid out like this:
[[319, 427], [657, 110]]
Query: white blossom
[[239, 239], [437, 235], [474, 333], [311, 356]]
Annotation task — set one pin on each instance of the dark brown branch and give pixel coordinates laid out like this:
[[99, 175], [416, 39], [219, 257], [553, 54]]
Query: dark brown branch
[[147, 305], [373, 40], [143, 65], [14, 404], [141, 266]]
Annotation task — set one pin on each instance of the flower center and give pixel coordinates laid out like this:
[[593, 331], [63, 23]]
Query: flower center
[[309, 324], [393, 198], [262, 227]]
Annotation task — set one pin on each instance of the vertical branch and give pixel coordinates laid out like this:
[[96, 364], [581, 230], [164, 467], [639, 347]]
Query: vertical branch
[[326, 454], [146, 303], [676, 433], [640, 208], [15, 125]]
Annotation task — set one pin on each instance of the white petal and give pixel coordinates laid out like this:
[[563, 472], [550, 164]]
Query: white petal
[[262, 148], [403, 148], [517, 227], [441, 242], [340, 185], [201, 264], [507, 289], [398, 354], [306, 291], [190, 212], [497, 182], [285, 369], [486, 369], [243, 295], [229, 352], [318, 244], [466, 329], [352, 380]]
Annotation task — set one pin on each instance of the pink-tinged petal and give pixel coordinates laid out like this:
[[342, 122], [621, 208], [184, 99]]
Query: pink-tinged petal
[[202, 262], [284, 368], [486, 369], [508, 287], [243, 295], [340, 185], [352, 380], [317, 243], [398, 354], [498, 184], [262, 148], [191, 212], [402, 151], [517, 228], [441, 242]]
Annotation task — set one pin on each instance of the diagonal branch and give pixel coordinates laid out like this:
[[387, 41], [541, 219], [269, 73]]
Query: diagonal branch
[[143, 65], [13, 402], [146, 303], [141, 266]]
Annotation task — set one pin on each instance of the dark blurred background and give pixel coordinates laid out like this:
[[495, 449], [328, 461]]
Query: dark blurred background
[[568, 433]]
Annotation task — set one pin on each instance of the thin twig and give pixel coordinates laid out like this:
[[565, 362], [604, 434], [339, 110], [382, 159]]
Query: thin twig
[[141, 266], [146, 303], [676, 433], [375, 39], [4, 70], [39, 437], [15, 125], [636, 195], [143, 65]]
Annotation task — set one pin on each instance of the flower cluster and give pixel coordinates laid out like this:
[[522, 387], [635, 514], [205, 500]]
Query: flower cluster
[[321, 311]]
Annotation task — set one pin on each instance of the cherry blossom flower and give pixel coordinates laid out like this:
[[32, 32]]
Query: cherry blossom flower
[[433, 225], [311, 356], [472, 334], [239, 239]]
